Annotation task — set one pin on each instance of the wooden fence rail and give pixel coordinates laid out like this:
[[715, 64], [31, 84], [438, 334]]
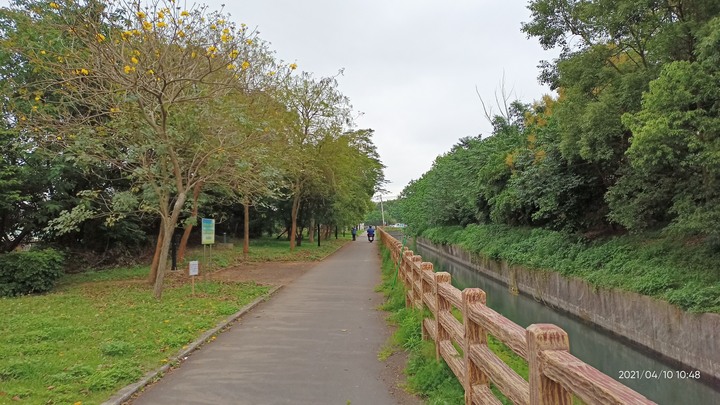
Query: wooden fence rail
[[555, 374]]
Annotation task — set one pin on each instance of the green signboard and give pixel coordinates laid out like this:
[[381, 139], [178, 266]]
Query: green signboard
[[208, 231]]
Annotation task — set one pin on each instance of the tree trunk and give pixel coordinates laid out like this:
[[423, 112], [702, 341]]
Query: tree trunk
[[13, 244], [293, 219], [156, 257], [311, 231], [189, 227], [246, 230], [168, 225]]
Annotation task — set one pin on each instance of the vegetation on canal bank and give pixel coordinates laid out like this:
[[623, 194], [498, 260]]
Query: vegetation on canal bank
[[99, 331], [677, 270]]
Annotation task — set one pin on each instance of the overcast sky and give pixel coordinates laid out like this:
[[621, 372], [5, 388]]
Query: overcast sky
[[410, 66]]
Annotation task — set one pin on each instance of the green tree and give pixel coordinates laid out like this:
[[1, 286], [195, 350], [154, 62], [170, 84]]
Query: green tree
[[675, 151], [322, 113]]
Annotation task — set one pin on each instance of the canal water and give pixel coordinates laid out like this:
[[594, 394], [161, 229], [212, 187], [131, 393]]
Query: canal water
[[644, 373]]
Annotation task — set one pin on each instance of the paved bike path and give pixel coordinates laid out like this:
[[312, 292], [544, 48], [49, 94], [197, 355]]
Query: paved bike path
[[314, 342]]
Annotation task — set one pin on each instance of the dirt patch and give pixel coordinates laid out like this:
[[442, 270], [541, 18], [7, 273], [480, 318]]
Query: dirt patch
[[265, 273], [395, 379]]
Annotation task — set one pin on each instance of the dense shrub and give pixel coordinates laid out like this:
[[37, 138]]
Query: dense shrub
[[29, 272]]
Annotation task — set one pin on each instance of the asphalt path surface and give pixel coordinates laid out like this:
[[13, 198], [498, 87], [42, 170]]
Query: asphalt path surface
[[314, 342]]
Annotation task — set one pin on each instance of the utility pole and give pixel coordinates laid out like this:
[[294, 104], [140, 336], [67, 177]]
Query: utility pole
[[382, 210]]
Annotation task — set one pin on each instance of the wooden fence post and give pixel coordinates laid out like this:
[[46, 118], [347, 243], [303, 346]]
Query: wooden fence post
[[425, 288], [544, 391], [474, 335], [417, 276], [441, 305], [406, 269]]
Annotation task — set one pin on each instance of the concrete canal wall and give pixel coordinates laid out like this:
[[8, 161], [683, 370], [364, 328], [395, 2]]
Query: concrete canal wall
[[693, 340]]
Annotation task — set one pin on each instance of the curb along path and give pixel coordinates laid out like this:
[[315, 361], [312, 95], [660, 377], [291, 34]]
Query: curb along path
[[315, 342]]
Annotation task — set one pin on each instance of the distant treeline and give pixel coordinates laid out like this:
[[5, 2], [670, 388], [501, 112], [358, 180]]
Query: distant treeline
[[631, 141]]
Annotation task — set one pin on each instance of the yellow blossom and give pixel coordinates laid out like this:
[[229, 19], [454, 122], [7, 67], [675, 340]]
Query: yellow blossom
[[245, 65], [248, 41], [231, 66], [54, 5], [193, 55], [84, 71], [181, 34], [140, 15], [160, 15], [134, 60], [22, 118], [225, 37], [136, 32], [34, 108], [78, 403], [128, 69], [150, 72], [161, 24], [184, 13], [226, 31], [136, 52], [147, 26], [221, 22], [125, 35], [59, 138], [114, 110], [234, 53], [293, 66], [100, 37], [42, 52], [271, 73], [213, 27], [37, 98]]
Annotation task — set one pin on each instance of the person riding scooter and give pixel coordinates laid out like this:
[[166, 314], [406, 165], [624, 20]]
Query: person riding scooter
[[371, 233]]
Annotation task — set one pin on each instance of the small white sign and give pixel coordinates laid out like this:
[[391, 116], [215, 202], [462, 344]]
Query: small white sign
[[194, 268]]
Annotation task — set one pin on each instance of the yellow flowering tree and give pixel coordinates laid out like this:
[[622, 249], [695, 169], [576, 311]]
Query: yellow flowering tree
[[141, 87]]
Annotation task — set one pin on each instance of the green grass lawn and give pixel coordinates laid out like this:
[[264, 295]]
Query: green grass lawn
[[99, 331]]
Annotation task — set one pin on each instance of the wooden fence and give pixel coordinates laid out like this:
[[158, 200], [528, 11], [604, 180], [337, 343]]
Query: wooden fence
[[555, 374]]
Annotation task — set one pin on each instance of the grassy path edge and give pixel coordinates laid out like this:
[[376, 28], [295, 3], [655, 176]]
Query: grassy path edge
[[127, 392]]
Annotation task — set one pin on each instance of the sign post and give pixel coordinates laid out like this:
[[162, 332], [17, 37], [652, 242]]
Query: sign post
[[193, 271], [207, 236], [208, 231]]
